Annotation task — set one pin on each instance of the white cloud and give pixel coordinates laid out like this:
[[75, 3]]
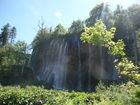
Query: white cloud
[[58, 14]]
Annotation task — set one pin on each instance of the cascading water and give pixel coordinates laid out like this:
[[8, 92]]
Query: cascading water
[[90, 68], [56, 65], [79, 87], [69, 64], [101, 63], [60, 68]]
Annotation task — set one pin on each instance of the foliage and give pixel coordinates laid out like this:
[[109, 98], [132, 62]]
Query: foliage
[[138, 43], [116, 48], [12, 59], [5, 34], [121, 94], [122, 23], [100, 11], [42, 36], [99, 36], [95, 14], [136, 100], [60, 30], [124, 94], [127, 67], [22, 47], [126, 22], [12, 34], [134, 12], [76, 27]]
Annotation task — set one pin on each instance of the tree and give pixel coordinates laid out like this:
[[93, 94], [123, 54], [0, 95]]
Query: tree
[[125, 30], [107, 16], [122, 23], [12, 34], [76, 27], [134, 14], [22, 55], [12, 62], [21, 47], [41, 36], [59, 30], [138, 44], [0, 39], [103, 12], [95, 14], [100, 36], [5, 34]]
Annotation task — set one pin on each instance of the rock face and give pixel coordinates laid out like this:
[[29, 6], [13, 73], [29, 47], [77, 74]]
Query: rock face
[[70, 64]]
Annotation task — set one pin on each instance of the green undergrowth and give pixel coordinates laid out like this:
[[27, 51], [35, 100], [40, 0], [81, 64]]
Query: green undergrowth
[[124, 94]]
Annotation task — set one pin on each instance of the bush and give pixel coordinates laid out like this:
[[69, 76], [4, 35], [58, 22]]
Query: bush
[[136, 100], [121, 94], [125, 94]]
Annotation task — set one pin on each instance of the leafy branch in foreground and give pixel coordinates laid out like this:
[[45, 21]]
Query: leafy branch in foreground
[[98, 35]]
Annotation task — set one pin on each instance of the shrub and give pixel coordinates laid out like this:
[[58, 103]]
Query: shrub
[[124, 94]]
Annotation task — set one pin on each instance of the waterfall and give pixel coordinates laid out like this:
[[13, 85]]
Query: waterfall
[[79, 87], [90, 68], [68, 64], [101, 63], [56, 65], [60, 68]]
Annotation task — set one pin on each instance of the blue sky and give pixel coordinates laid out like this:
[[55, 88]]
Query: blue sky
[[26, 14]]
